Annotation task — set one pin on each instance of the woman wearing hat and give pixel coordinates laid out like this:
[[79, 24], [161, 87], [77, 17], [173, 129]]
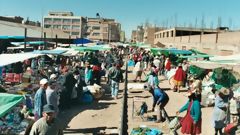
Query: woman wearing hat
[[191, 123], [220, 110]]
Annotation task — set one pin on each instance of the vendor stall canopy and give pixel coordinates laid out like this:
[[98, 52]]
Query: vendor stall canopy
[[7, 59], [82, 41], [12, 37], [8, 102], [166, 52], [31, 43]]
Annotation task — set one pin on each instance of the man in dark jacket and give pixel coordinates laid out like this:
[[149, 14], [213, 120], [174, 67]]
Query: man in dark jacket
[[116, 76]]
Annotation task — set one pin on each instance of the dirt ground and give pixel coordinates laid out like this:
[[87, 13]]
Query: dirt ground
[[103, 116]]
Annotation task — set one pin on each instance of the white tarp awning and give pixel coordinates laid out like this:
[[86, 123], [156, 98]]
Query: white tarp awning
[[226, 58], [7, 59], [69, 51], [213, 65]]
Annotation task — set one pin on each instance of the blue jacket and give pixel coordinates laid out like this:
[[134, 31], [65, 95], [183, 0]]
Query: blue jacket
[[195, 110], [39, 102], [159, 96]]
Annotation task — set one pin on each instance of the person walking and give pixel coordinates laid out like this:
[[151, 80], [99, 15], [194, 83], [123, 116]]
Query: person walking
[[160, 98], [52, 95], [48, 124], [40, 99], [116, 76], [192, 122], [220, 111]]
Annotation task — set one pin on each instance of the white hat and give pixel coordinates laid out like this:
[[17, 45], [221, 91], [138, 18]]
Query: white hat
[[53, 76], [43, 81]]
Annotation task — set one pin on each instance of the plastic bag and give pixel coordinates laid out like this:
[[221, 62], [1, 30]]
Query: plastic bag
[[175, 123]]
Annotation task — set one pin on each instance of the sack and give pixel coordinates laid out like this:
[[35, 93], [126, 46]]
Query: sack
[[175, 123]]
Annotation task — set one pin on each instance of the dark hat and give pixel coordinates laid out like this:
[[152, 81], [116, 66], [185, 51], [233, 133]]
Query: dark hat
[[76, 72], [51, 82], [48, 108]]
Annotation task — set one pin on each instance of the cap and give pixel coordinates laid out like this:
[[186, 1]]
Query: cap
[[53, 76], [43, 81], [224, 91], [48, 108]]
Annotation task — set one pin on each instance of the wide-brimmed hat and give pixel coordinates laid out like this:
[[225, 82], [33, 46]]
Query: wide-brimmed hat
[[224, 91], [48, 108], [53, 76]]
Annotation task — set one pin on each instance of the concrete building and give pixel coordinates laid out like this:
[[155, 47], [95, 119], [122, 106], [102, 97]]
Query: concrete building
[[18, 19], [17, 29], [212, 41], [134, 36], [122, 37], [74, 26], [102, 29], [149, 34]]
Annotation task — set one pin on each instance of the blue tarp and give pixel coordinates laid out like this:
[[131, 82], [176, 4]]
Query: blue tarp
[[12, 37], [81, 41], [175, 51], [49, 52]]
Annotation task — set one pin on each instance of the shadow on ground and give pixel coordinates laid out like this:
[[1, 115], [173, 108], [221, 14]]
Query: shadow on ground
[[94, 131], [68, 114]]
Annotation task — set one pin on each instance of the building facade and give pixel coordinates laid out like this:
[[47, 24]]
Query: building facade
[[149, 34], [211, 41], [102, 29], [122, 37], [74, 26]]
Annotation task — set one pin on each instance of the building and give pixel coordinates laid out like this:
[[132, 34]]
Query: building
[[122, 37], [134, 36], [74, 26], [149, 34], [102, 29], [212, 41], [18, 19], [18, 29]]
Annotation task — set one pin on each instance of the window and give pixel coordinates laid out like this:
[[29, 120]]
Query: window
[[66, 21], [47, 20], [75, 33], [66, 27], [47, 26], [96, 27], [96, 34], [76, 27], [76, 21], [58, 21], [57, 26]]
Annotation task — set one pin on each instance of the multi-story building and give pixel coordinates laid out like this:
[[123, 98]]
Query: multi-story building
[[149, 34], [122, 37], [218, 41], [138, 35], [134, 36], [102, 29], [73, 25]]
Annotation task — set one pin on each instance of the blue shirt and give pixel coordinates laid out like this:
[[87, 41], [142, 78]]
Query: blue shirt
[[39, 101], [159, 96]]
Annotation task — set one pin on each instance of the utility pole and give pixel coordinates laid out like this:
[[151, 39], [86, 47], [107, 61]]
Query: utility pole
[[25, 39]]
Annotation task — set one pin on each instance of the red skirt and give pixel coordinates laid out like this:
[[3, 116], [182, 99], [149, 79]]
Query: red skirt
[[188, 126]]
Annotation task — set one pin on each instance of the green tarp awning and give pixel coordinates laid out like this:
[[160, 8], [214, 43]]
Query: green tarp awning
[[8, 101]]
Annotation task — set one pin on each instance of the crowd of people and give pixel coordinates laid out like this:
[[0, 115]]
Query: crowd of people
[[160, 65], [62, 80]]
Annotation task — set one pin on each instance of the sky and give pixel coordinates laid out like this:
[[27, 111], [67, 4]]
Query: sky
[[131, 13]]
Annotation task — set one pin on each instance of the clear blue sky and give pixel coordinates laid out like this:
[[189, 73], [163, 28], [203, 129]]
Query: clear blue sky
[[131, 13]]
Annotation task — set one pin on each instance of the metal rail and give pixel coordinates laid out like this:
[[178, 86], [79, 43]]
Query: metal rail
[[124, 113]]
